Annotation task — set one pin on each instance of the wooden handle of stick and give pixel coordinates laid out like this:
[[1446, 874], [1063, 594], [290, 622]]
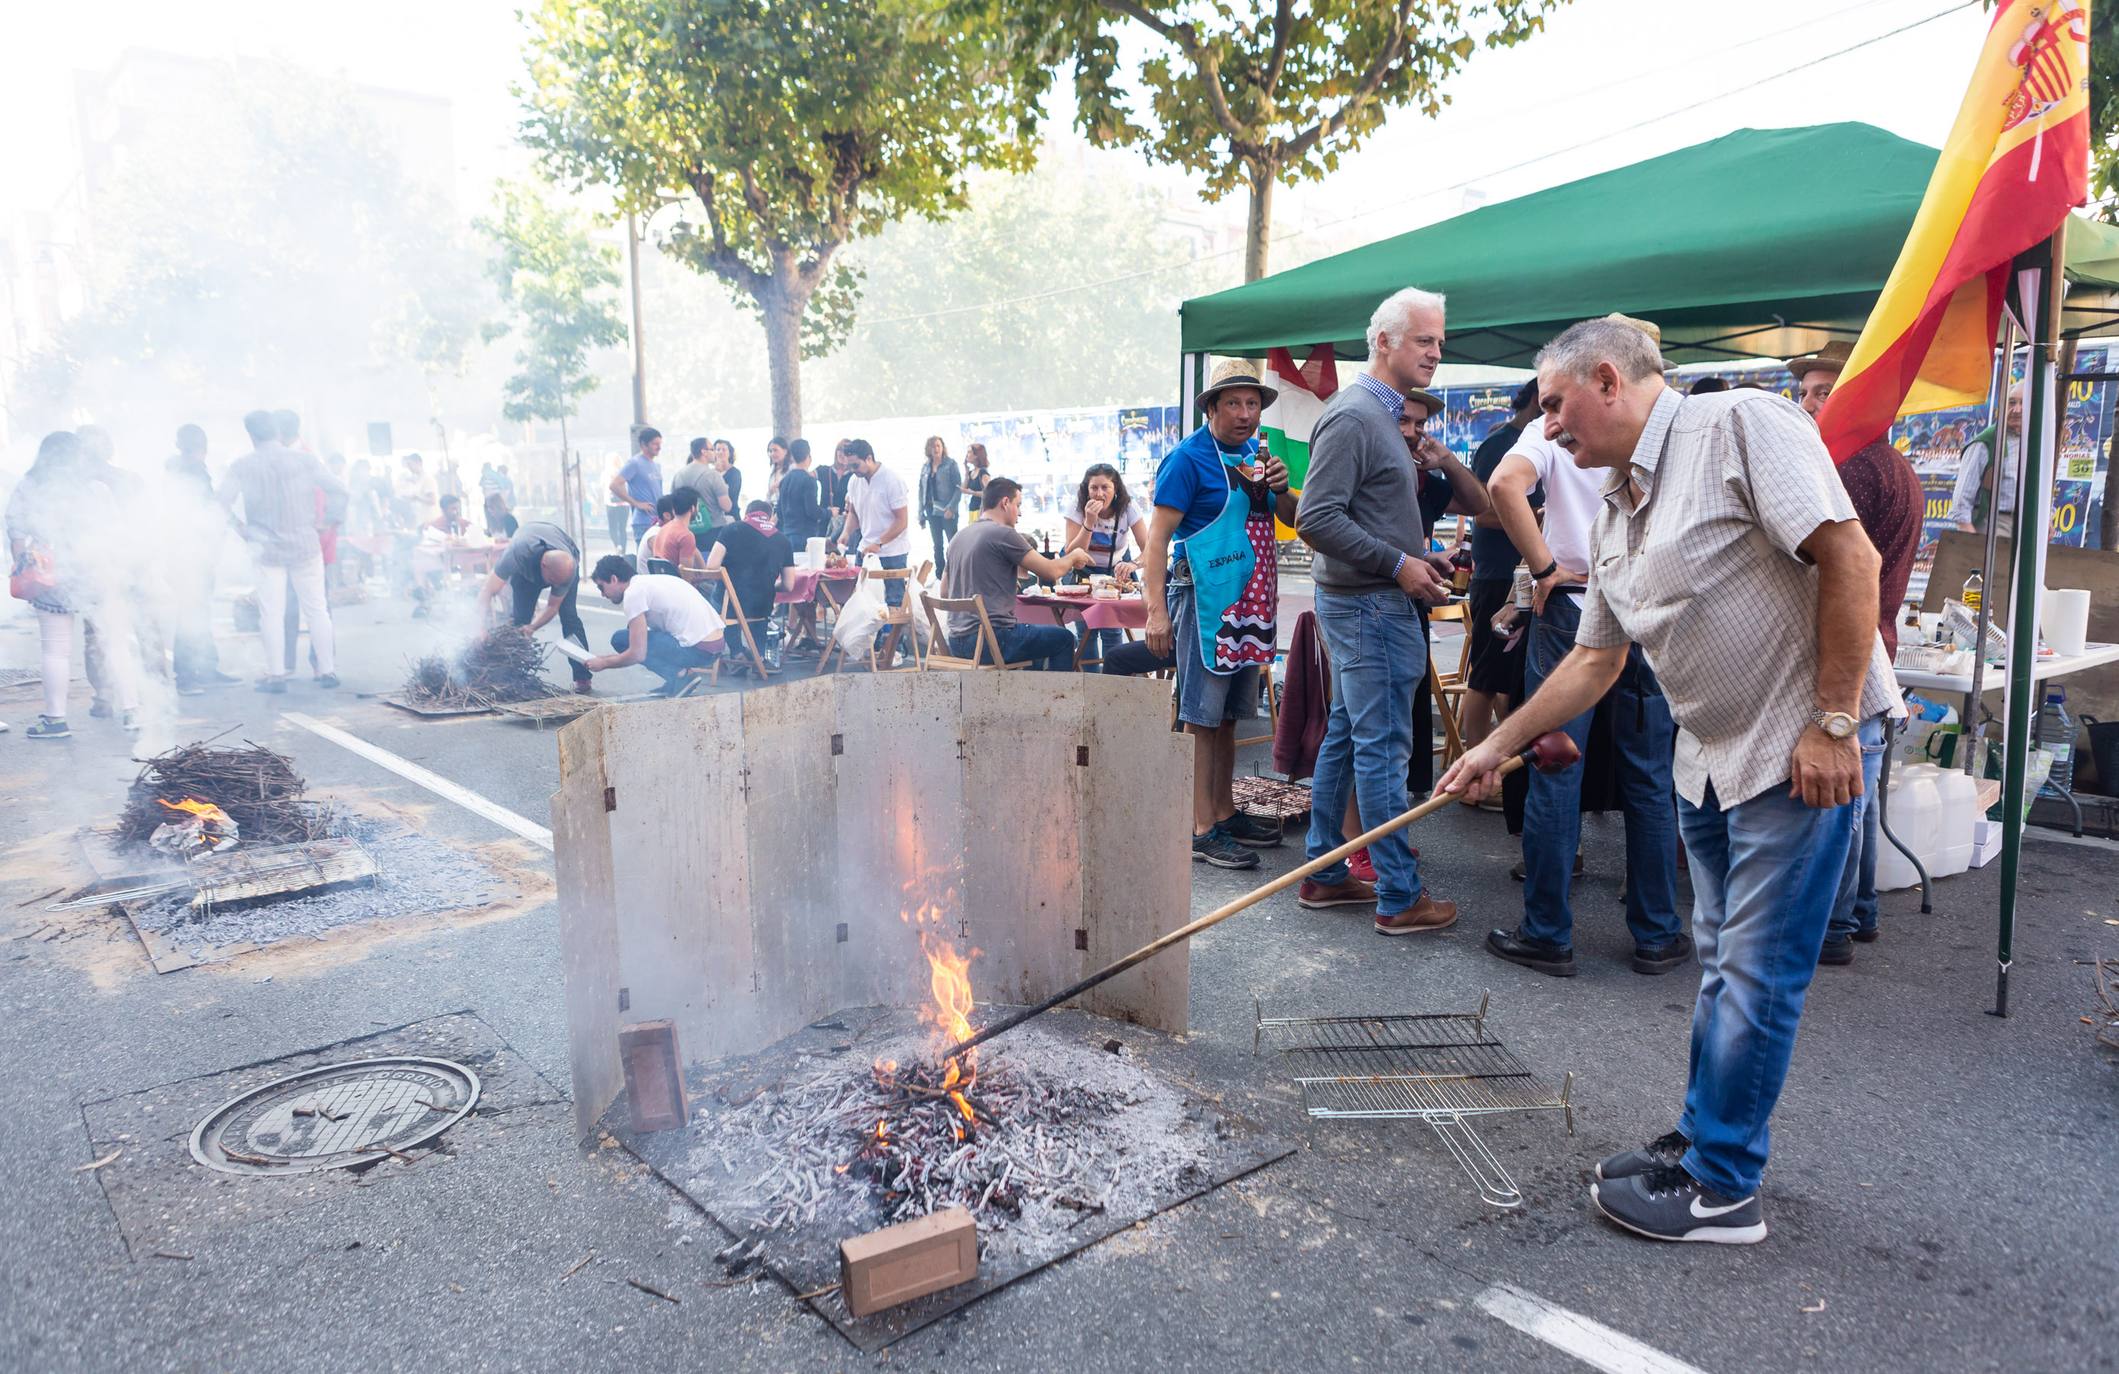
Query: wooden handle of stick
[[1552, 751]]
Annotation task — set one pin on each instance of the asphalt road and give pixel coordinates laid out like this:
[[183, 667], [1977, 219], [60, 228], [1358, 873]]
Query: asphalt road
[[1941, 1194]]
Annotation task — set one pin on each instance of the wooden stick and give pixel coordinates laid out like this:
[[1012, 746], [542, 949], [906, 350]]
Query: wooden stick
[[1552, 754]]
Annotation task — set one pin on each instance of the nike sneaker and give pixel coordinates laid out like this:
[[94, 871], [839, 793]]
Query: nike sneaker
[[1663, 1152], [1670, 1204]]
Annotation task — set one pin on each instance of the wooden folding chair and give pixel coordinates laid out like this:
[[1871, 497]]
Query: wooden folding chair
[[898, 618], [940, 655], [1448, 689], [732, 612]]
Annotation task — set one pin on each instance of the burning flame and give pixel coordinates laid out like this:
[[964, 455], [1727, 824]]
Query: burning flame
[[206, 811], [949, 979]]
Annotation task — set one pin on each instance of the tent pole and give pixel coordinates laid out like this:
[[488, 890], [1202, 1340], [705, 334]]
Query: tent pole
[[2038, 291], [1973, 732]]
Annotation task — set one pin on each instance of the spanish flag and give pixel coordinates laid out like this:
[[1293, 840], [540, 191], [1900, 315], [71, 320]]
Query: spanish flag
[[2017, 160]]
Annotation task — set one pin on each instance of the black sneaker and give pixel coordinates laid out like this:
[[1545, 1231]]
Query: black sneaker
[[1532, 954], [1837, 950], [1663, 958], [1216, 848], [1258, 832], [1869, 936], [1663, 1152], [1670, 1204]]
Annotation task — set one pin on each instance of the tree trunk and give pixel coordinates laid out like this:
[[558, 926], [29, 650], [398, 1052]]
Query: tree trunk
[[1258, 230], [783, 356]]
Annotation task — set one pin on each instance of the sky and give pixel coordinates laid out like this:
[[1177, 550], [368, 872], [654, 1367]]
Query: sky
[[1609, 82]]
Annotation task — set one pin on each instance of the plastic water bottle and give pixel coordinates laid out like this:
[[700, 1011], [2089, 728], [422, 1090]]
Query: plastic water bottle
[[2056, 735], [1974, 588]]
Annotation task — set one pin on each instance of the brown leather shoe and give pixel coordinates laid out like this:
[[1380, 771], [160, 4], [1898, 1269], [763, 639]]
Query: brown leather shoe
[[1425, 914], [1352, 892]]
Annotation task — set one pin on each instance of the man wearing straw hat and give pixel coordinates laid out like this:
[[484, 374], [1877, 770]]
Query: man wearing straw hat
[[1888, 498], [1212, 590], [1727, 549]]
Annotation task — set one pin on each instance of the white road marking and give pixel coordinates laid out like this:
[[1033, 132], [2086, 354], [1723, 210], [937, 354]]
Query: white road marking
[[433, 782], [1593, 1343]]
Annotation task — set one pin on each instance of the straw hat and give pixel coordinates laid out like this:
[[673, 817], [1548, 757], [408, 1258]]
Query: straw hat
[[1425, 398], [1231, 373], [1831, 358], [1647, 327]]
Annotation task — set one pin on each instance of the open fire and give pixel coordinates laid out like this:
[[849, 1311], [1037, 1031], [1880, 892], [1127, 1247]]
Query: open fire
[[198, 828]]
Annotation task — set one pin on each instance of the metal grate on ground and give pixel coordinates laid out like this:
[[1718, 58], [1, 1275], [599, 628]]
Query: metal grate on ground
[[1442, 1068], [19, 677], [1270, 797]]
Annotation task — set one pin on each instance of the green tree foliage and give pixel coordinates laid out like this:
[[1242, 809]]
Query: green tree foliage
[[1254, 95], [779, 131], [560, 289], [266, 248]]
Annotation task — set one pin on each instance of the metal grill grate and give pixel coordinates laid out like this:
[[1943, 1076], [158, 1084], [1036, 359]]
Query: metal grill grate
[[1441, 1068]]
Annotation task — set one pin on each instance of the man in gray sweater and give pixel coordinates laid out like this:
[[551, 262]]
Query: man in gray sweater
[[1361, 514]]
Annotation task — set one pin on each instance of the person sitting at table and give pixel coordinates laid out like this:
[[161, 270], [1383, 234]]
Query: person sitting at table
[[671, 546], [761, 564], [983, 559], [430, 556], [669, 626], [541, 560], [1103, 517]]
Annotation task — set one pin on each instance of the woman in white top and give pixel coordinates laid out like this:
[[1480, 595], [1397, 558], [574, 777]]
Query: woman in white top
[[1104, 516]]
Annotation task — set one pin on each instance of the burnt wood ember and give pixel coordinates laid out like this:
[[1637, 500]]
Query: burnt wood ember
[[258, 788], [1056, 1132], [504, 665]]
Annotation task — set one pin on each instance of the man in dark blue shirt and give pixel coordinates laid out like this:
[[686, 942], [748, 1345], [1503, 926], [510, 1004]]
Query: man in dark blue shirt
[[1493, 673]]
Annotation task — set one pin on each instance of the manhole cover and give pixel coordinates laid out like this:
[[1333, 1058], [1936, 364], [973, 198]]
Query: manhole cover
[[334, 1116]]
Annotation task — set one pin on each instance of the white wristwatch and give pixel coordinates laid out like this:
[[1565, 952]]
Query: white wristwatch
[[1837, 724]]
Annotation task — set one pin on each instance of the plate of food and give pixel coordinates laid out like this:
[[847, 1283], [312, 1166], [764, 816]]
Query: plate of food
[[1070, 589]]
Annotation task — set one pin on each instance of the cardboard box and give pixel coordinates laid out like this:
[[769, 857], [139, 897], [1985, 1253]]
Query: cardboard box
[[654, 1076], [907, 1261]]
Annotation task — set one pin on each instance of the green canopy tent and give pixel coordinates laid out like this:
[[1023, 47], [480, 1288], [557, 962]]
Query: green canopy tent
[[1761, 243]]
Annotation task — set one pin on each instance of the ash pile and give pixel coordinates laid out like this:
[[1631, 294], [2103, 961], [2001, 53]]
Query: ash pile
[[500, 667], [223, 846], [1040, 1138]]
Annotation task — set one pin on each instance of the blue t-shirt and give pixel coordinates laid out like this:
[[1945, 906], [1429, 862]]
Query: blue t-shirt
[[1194, 479], [643, 482]]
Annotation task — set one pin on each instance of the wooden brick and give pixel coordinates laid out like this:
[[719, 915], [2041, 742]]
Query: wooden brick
[[654, 1075], [907, 1261]]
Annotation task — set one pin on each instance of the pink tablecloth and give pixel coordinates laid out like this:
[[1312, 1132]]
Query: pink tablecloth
[[806, 580], [1122, 613]]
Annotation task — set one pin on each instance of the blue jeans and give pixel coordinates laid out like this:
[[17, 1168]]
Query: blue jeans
[[1764, 877], [666, 658], [1378, 657], [1049, 648], [1855, 909], [1552, 812]]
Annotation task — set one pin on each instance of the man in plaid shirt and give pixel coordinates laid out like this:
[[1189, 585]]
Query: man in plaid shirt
[[1728, 550]]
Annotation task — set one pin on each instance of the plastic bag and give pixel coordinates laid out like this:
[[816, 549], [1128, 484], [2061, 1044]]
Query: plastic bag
[[858, 618]]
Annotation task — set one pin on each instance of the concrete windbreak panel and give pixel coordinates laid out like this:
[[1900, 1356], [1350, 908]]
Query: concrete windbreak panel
[[744, 865]]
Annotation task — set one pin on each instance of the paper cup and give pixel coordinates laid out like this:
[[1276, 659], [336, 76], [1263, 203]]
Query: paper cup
[[2064, 619]]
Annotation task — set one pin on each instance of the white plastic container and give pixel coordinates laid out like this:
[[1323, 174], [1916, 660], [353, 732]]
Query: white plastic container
[[1915, 812], [813, 553], [1959, 796]]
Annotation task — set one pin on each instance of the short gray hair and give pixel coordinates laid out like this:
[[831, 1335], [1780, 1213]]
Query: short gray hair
[[1396, 313], [1580, 347]]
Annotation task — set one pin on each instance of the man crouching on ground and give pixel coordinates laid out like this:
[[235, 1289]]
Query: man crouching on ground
[[1728, 550]]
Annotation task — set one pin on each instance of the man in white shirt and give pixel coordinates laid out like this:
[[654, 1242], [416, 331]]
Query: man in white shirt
[[1968, 500], [669, 626], [878, 516], [1642, 731]]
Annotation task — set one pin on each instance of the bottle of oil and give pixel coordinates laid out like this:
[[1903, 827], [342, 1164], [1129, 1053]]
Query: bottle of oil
[[1974, 587]]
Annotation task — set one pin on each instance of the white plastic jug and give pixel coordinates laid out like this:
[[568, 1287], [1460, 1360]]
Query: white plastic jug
[[1959, 796], [813, 552], [1915, 813]]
